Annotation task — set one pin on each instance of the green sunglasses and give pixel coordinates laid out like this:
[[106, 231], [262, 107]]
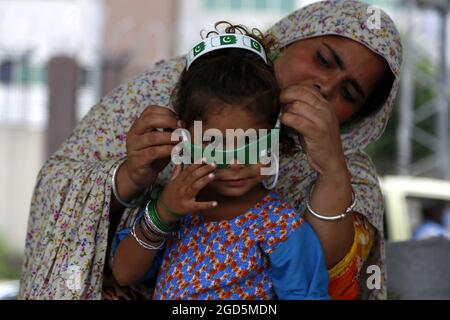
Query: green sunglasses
[[250, 153]]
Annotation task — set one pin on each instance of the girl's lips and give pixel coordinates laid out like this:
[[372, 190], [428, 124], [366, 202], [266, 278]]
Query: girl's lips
[[234, 183]]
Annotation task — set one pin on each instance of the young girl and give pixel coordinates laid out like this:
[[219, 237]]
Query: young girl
[[226, 236]]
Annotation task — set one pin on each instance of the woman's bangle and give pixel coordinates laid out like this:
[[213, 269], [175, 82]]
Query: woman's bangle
[[332, 218], [135, 204]]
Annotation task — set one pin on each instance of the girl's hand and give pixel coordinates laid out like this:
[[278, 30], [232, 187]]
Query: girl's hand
[[179, 194], [149, 150], [315, 120]]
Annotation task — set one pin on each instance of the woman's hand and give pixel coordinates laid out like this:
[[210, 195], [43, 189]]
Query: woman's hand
[[316, 122], [314, 119], [179, 194], [148, 150]]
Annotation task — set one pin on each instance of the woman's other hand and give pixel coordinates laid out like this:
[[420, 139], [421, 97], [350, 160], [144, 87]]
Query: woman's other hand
[[316, 122], [311, 116], [148, 150]]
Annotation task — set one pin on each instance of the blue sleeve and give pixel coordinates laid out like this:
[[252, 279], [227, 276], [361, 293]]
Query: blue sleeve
[[152, 272], [298, 267]]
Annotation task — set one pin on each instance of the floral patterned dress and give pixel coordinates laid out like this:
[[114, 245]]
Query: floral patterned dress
[[267, 252]]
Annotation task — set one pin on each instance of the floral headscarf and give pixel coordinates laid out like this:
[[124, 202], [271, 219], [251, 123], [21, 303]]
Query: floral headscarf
[[349, 19], [67, 240]]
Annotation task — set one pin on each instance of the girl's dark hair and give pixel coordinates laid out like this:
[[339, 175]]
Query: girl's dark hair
[[229, 76]]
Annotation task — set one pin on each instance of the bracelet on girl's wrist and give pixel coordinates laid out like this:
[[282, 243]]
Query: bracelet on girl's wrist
[[173, 214], [149, 245], [154, 221]]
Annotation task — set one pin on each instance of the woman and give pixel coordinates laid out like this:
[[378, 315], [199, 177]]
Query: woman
[[334, 72]]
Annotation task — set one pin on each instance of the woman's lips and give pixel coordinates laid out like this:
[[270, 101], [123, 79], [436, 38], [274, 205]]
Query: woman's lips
[[236, 183]]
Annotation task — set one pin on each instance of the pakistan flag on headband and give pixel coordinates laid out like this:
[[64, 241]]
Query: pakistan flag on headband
[[199, 48], [223, 41], [230, 40]]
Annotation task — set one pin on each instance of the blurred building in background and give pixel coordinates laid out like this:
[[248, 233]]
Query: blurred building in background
[[32, 33], [135, 35], [109, 42]]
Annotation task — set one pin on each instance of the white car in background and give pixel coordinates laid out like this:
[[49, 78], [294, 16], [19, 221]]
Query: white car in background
[[403, 197], [9, 290], [416, 269]]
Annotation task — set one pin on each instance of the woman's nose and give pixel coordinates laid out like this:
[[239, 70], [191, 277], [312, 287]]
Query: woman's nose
[[322, 91]]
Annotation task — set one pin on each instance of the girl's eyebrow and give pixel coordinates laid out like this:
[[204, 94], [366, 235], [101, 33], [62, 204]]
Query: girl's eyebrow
[[343, 67]]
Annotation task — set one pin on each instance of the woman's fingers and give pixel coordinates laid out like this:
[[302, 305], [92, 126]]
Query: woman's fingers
[[151, 139], [307, 111], [303, 93], [154, 117], [151, 121], [302, 125], [143, 158]]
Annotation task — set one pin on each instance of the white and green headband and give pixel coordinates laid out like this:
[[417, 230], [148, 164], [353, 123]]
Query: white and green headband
[[225, 41]]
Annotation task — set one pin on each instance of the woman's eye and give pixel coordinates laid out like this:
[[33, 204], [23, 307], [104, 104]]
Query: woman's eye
[[347, 95], [322, 61]]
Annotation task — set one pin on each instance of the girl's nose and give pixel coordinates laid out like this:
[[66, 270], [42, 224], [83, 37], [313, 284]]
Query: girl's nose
[[235, 165]]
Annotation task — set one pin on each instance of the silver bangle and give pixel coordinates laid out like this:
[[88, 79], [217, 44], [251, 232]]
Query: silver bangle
[[116, 194], [332, 218], [148, 232], [144, 244]]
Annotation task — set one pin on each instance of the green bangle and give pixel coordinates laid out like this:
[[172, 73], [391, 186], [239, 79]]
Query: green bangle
[[155, 211], [153, 214], [172, 213]]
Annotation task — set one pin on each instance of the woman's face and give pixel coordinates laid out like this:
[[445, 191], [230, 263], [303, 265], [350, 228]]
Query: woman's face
[[345, 72]]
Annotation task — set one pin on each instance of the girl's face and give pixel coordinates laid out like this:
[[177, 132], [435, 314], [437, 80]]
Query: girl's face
[[345, 71], [237, 179]]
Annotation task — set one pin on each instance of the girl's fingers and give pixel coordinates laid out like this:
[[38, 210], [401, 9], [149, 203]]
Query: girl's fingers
[[189, 171], [193, 190], [176, 172], [200, 206], [197, 173]]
